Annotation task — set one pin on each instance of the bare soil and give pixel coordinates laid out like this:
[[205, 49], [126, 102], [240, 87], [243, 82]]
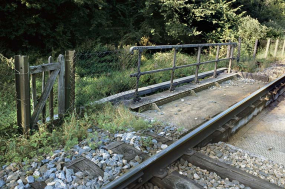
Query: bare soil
[[191, 111]]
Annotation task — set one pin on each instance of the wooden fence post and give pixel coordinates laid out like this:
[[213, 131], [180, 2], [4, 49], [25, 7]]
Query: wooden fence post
[[276, 47], [231, 58], [198, 64], [69, 80], [255, 49], [267, 48], [172, 71], [24, 82], [217, 59], [137, 96], [239, 48], [283, 48], [61, 87], [51, 111], [43, 88], [18, 58]]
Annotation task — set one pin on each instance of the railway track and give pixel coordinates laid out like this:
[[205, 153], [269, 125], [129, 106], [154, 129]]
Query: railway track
[[219, 128]]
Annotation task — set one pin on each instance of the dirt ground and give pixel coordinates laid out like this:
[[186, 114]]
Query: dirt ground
[[190, 111]]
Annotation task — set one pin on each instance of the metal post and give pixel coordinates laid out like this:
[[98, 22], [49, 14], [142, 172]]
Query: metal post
[[239, 48], [231, 58], [255, 49], [136, 97], [217, 58], [267, 48], [276, 47], [25, 94], [198, 63], [173, 70]]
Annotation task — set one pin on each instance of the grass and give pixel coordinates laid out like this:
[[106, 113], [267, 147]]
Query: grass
[[111, 119]]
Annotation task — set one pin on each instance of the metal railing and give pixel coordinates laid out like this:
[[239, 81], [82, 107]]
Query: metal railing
[[140, 49]]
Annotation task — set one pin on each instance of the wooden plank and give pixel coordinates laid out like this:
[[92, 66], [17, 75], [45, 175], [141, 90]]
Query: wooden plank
[[25, 94], [86, 166], [228, 171], [51, 110], [61, 86], [18, 92], [44, 68], [198, 63], [43, 88], [267, 48], [175, 181], [34, 91], [44, 97]]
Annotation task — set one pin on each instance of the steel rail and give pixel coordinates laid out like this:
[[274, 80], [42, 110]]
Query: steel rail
[[179, 46], [145, 171]]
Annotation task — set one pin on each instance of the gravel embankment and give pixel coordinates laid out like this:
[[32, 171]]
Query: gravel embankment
[[253, 164], [51, 168]]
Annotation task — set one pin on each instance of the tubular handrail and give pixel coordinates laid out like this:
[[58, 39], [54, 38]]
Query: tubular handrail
[[140, 49]]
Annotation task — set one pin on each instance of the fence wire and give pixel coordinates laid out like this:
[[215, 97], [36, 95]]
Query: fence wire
[[99, 74], [8, 110]]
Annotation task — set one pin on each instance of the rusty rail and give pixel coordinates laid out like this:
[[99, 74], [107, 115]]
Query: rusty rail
[[140, 49]]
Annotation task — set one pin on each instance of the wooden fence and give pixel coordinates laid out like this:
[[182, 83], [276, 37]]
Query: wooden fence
[[26, 118]]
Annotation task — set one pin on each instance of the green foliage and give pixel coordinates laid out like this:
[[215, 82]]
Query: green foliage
[[250, 30]]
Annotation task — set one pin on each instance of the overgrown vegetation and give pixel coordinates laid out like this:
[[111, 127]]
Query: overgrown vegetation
[[112, 119]]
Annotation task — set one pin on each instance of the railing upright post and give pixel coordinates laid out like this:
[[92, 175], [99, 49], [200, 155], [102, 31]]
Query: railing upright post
[[198, 64], [173, 70], [217, 59], [231, 58], [136, 97], [276, 48], [267, 48], [282, 53]]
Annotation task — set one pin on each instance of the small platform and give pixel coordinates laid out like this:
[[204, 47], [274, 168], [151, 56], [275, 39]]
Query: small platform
[[160, 86]]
